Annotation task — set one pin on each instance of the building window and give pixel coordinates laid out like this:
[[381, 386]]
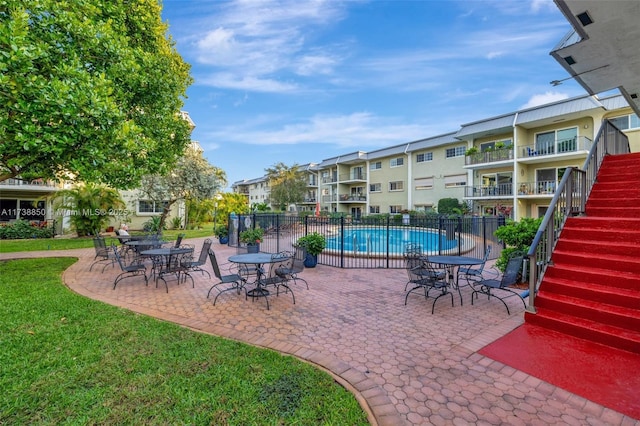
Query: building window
[[396, 186], [490, 146], [423, 208], [625, 122], [375, 166], [557, 141], [395, 209], [396, 162], [424, 157], [146, 206], [455, 181], [458, 151], [375, 187], [423, 183], [374, 209]]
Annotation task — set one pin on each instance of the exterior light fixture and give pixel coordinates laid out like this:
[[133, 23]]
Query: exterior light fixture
[[559, 82]]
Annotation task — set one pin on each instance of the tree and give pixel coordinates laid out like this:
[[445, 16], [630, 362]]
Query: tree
[[91, 90], [193, 178], [288, 185], [90, 207]]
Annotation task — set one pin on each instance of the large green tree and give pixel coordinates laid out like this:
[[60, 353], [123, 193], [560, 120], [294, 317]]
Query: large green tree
[[192, 179], [288, 185], [90, 90]]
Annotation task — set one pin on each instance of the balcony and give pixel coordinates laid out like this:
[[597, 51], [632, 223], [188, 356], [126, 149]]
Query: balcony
[[489, 191], [329, 179], [547, 187], [329, 198], [353, 198], [17, 187], [557, 147], [353, 177], [488, 157]]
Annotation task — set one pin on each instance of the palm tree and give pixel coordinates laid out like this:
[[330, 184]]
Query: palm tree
[[90, 206]]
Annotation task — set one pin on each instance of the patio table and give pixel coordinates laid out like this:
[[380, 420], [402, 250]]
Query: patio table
[[257, 259], [450, 263]]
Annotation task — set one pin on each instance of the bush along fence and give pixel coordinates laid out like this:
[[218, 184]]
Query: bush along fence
[[373, 241], [22, 229]]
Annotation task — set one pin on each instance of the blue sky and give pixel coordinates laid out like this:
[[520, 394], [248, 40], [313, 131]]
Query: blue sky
[[299, 81]]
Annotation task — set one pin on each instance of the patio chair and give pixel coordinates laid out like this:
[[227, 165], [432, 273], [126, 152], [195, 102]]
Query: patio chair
[[474, 273], [196, 265], [132, 270], [177, 264], [104, 254], [282, 260], [510, 276], [179, 241], [422, 275], [296, 267], [237, 282]]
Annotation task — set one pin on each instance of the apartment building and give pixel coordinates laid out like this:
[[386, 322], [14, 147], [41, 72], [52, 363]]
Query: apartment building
[[509, 165]]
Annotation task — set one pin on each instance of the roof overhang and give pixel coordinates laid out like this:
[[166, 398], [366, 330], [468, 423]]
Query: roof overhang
[[602, 52]]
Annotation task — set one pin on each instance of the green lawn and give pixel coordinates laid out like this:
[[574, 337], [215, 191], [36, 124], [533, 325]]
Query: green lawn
[[66, 359], [11, 246]]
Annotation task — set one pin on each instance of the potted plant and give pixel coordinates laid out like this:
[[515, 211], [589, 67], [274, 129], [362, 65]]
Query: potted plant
[[252, 238], [313, 244], [222, 233]]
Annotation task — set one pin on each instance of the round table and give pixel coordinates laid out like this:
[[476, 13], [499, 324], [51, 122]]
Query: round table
[[450, 263], [257, 259]]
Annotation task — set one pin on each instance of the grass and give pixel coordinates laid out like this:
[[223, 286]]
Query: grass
[[66, 359], [11, 246]]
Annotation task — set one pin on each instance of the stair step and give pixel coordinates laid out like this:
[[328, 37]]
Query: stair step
[[587, 329], [618, 177], [625, 297], [621, 158], [606, 277], [612, 223], [604, 235], [615, 192], [598, 246], [618, 316], [613, 211], [600, 260], [607, 202]]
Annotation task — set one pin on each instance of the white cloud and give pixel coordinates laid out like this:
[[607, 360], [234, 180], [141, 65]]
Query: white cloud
[[544, 98]]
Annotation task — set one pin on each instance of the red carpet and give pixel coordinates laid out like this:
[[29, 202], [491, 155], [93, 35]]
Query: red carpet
[[605, 375]]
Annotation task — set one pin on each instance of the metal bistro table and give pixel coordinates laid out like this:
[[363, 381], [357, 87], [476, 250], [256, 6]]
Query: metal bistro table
[[168, 261], [257, 259], [450, 263]]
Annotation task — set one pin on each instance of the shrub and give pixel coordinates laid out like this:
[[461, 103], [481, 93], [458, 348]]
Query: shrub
[[22, 229], [312, 243], [517, 236]]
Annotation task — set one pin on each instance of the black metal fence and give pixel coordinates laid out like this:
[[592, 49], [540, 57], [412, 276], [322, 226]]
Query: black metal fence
[[374, 241]]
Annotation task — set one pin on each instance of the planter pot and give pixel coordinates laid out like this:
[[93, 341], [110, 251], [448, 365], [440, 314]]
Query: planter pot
[[110, 229], [223, 240], [310, 260], [253, 248]]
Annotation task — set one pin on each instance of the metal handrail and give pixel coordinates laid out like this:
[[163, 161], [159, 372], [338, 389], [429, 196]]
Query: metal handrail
[[570, 199]]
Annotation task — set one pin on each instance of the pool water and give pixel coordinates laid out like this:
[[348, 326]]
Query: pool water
[[365, 240]]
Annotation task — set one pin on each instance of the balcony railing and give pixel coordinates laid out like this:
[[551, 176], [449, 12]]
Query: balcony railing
[[329, 198], [40, 183], [541, 187], [489, 191], [329, 179], [561, 146], [352, 176], [489, 156], [353, 197]]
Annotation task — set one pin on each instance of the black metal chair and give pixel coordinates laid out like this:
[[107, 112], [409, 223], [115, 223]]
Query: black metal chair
[[282, 260], [128, 271], [510, 277], [474, 273], [197, 265], [179, 241], [177, 264], [422, 275], [104, 254], [236, 280], [297, 267]]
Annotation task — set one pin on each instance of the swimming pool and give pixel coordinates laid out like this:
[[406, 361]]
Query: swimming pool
[[375, 241]]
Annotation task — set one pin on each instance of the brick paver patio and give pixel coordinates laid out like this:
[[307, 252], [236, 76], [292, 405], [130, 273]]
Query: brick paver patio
[[405, 366]]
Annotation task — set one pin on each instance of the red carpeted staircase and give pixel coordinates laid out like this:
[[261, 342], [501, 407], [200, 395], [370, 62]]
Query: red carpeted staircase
[[592, 288]]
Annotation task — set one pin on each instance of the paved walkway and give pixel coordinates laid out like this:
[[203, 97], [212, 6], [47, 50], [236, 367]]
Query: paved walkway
[[404, 365]]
